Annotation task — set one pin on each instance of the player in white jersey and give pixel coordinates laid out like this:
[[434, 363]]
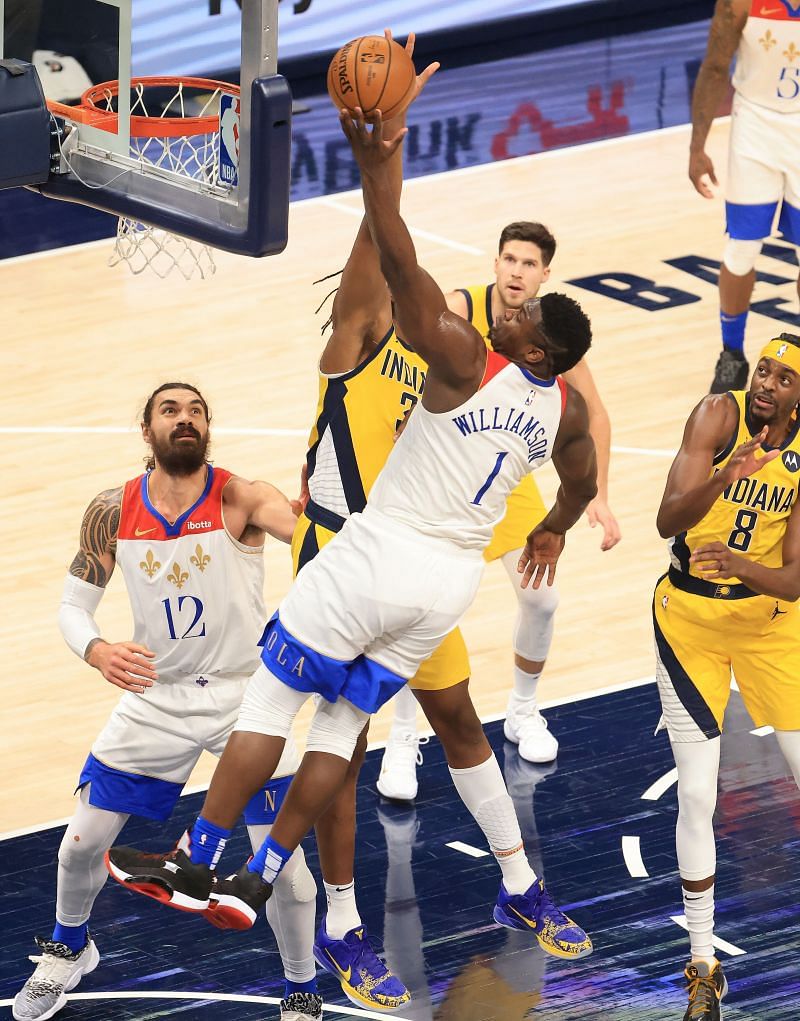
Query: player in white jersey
[[188, 539], [763, 156], [378, 599]]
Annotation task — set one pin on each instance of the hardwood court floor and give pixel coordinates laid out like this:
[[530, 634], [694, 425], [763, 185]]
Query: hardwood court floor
[[83, 345]]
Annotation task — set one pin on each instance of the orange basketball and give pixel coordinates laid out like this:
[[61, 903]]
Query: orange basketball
[[374, 73]]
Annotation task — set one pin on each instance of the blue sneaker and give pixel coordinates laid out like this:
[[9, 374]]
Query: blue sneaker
[[534, 911], [364, 978]]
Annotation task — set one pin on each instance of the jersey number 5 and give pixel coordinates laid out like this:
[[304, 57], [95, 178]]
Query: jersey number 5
[[192, 605]]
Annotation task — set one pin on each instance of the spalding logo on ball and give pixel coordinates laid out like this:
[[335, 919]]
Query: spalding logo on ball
[[374, 73]]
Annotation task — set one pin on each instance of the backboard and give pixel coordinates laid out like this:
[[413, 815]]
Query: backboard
[[237, 198]]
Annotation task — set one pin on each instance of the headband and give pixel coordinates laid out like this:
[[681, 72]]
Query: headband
[[782, 351]]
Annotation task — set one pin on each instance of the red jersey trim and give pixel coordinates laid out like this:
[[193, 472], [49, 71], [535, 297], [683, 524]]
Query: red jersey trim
[[495, 363], [141, 521], [562, 386], [773, 10]]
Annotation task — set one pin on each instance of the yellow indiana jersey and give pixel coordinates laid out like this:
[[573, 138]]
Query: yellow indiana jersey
[[750, 516], [358, 415], [524, 507]]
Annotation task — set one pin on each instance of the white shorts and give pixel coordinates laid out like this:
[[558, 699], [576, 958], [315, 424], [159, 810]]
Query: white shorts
[[145, 754], [368, 609], [763, 173]]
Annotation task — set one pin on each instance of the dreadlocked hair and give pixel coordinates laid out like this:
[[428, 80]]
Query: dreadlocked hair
[[330, 294]]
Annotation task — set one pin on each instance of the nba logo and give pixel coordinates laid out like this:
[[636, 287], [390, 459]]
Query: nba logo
[[781, 351], [229, 140]]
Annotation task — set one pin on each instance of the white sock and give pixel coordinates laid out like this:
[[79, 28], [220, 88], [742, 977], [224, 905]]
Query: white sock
[[405, 712], [525, 685], [483, 791], [699, 911], [342, 911]]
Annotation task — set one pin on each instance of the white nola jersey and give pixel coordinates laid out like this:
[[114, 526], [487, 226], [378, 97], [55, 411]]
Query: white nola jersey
[[768, 59], [196, 593], [450, 473]]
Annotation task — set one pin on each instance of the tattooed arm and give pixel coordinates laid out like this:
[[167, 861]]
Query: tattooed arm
[[727, 25], [96, 557], [124, 664]]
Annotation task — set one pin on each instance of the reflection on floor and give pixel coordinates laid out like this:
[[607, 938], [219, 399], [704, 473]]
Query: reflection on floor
[[432, 904]]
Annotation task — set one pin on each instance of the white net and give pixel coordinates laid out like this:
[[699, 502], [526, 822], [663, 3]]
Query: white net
[[192, 155]]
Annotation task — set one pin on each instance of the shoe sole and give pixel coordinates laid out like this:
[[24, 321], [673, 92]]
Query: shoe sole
[[230, 913], [393, 795], [352, 995], [509, 922], [156, 888], [91, 963]]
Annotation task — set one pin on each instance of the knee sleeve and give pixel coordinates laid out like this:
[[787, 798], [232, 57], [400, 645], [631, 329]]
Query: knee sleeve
[[533, 633], [789, 744], [335, 728], [296, 879], [698, 768], [740, 256], [269, 706]]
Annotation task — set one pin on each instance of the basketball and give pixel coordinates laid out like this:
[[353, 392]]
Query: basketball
[[374, 73]]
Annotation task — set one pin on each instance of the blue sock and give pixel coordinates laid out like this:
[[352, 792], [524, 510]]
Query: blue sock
[[269, 859], [73, 936], [208, 842], [733, 330], [299, 987]]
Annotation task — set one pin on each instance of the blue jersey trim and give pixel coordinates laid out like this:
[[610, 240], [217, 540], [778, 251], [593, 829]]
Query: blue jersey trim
[[535, 379], [468, 299], [789, 220], [131, 793], [175, 530], [362, 365], [322, 516], [691, 699], [262, 809], [488, 308], [749, 222], [366, 684]]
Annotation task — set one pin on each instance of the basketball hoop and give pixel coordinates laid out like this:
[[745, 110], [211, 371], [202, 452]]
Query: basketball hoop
[[174, 131]]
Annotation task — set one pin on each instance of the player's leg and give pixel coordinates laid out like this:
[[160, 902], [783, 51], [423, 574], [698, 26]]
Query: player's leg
[[70, 952], [523, 902], [693, 675], [533, 634], [754, 188]]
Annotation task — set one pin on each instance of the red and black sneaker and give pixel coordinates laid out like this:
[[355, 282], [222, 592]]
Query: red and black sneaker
[[236, 901], [171, 878]]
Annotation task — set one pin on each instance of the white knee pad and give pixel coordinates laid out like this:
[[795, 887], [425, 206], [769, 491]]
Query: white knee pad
[[533, 633], [740, 256], [297, 878], [698, 769], [269, 706], [335, 728]]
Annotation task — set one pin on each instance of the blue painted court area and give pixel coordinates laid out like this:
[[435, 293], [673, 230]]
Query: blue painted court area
[[432, 904]]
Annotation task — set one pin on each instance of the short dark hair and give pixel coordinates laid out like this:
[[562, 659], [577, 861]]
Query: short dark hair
[[535, 233], [790, 338], [147, 414], [567, 328]]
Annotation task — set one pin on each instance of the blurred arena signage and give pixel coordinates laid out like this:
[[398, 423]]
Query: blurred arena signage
[[203, 35]]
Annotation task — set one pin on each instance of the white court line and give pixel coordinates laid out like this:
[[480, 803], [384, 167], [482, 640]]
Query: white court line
[[411, 183], [215, 997], [720, 944], [663, 784], [377, 745], [763, 731], [632, 853], [473, 852]]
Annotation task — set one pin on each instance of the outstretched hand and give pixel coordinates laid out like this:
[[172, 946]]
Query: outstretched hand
[[365, 135], [539, 558], [749, 457], [424, 76]]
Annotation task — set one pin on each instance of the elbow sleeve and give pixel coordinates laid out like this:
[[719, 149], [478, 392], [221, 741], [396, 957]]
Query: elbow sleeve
[[76, 622]]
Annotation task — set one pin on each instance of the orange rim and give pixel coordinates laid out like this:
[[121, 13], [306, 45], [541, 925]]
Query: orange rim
[[89, 113]]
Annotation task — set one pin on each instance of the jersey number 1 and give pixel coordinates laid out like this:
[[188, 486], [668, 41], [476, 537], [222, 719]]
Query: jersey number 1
[[476, 502]]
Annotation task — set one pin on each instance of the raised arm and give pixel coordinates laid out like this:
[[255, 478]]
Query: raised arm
[[259, 506], [124, 664], [362, 308], [727, 24], [691, 489], [453, 348]]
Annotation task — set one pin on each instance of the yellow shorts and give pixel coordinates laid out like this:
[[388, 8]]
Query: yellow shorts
[[700, 639], [447, 666], [524, 510]]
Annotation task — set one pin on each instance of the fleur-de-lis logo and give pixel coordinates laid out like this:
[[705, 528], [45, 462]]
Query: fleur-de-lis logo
[[792, 53], [768, 40], [200, 559], [149, 565], [178, 577]]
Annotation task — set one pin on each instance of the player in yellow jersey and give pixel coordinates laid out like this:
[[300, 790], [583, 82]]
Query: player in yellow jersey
[[728, 603], [525, 253]]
